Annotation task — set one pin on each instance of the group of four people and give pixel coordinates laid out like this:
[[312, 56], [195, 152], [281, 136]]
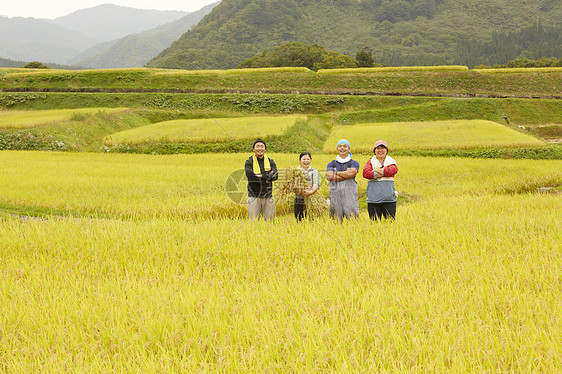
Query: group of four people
[[261, 172]]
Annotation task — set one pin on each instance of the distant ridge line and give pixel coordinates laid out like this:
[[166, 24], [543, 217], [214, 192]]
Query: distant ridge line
[[279, 92]]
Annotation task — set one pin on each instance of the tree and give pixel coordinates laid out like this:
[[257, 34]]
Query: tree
[[364, 58], [335, 60], [35, 65], [296, 54]]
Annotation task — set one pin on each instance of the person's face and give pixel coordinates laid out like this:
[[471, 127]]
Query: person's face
[[343, 150], [305, 161], [259, 149], [381, 151]]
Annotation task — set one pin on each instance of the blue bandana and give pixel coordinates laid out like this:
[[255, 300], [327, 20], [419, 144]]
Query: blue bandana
[[344, 141]]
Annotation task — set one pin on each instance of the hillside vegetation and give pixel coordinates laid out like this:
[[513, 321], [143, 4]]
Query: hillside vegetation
[[398, 32]]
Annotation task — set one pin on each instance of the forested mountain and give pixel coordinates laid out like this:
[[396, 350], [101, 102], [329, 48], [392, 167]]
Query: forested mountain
[[7, 63], [136, 49], [109, 22], [397, 32], [533, 42]]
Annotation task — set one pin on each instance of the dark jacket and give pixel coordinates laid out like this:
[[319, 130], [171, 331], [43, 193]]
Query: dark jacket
[[260, 187]]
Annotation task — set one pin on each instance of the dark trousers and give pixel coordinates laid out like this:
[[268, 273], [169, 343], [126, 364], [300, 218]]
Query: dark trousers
[[378, 211], [300, 209]]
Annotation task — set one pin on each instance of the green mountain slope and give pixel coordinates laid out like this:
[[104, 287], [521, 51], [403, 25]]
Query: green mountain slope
[[398, 32]]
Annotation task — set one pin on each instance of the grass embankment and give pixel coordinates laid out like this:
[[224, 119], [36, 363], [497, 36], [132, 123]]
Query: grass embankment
[[353, 109], [457, 134], [521, 70], [456, 83], [81, 132]]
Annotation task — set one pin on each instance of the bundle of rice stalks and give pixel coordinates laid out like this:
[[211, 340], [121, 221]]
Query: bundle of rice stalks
[[294, 182]]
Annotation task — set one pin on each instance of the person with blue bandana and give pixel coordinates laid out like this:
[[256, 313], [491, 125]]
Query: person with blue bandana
[[341, 174]]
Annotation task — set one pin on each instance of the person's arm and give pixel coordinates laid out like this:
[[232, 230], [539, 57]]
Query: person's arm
[[338, 176], [249, 169], [273, 174], [315, 184], [368, 172], [330, 171], [316, 179], [390, 171], [343, 175]]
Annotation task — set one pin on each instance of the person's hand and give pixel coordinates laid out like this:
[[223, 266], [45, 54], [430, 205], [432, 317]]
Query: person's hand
[[378, 172], [258, 175]]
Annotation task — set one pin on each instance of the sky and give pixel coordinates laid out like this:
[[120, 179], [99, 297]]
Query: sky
[[52, 9]]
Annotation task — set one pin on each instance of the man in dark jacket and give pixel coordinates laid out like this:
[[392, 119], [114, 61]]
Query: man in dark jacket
[[261, 171]]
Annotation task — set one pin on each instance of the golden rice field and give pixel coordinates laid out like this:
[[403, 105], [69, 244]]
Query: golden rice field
[[206, 130], [467, 279], [186, 186], [450, 134], [23, 119], [15, 72], [295, 69], [387, 69]]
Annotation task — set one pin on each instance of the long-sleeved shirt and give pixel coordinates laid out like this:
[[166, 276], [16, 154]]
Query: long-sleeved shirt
[[260, 187]]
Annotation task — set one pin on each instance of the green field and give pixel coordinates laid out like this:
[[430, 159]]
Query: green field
[[458, 134], [206, 130]]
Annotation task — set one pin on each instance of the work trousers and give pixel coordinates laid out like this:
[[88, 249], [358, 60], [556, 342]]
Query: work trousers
[[261, 207], [378, 211]]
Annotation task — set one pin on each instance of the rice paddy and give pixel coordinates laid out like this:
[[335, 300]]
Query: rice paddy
[[394, 69], [466, 279], [187, 186], [206, 130], [29, 119], [143, 263], [452, 134]]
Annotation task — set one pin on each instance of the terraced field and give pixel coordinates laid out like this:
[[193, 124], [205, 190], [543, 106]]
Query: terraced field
[[206, 130], [454, 134], [113, 262]]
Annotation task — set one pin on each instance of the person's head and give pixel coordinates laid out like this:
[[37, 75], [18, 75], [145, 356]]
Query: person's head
[[259, 148], [380, 149], [343, 148], [304, 159]]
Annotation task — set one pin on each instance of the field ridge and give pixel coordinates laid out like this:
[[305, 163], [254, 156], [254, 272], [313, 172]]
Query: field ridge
[[280, 92]]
